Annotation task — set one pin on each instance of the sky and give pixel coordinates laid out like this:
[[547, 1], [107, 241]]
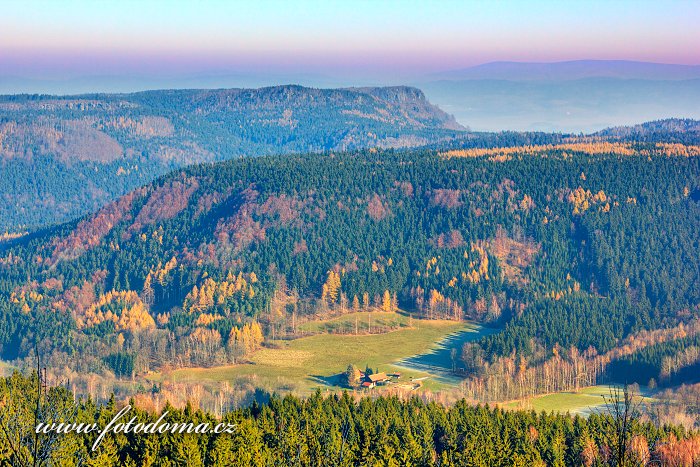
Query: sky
[[380, 40]]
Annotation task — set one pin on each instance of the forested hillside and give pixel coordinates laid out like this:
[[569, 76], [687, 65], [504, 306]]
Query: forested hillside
[[674, 130], [592, 261], [61, 157], [335, 431]]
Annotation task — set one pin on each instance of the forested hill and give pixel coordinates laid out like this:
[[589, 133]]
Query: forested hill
[[668, 130], [580, 249], [61, 157]]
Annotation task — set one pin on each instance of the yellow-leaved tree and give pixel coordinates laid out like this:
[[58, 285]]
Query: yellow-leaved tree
[[331, 287]]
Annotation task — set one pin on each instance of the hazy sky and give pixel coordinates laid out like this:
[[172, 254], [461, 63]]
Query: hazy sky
[[70, 38]]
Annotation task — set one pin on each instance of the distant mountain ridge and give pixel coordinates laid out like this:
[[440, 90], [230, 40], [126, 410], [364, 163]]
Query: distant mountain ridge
[[575, 96], [572, 70], [63, 156], [669, 125]]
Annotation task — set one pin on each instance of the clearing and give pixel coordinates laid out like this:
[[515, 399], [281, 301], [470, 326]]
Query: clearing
[[418, 350], [588, 400]]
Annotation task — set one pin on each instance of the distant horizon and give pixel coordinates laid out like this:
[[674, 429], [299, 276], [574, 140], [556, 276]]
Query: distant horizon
[[503, 65], [140, 82], [359, 42]]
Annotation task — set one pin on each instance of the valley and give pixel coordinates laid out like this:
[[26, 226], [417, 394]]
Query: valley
[[350, 233], [267, 273], [305, 364], [444, 274]]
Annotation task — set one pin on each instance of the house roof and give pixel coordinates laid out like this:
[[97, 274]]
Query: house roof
[[377, 377]]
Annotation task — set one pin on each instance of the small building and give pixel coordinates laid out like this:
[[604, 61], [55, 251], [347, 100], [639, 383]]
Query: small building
[[378, 378]]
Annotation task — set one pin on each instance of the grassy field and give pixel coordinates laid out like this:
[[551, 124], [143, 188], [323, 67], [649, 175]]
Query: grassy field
[[587, 400], [307, 363], [362, 321]]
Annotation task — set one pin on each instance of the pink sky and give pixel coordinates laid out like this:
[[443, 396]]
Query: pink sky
[[47, 39]]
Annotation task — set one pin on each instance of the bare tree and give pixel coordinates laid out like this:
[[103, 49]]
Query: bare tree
[[28, 403], [623, 410]]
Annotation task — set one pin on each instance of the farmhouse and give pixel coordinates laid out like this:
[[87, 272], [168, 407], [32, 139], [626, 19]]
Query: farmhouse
[[377, 378], [368, 380]]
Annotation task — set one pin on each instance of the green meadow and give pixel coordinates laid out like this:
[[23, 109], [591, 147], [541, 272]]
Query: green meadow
[[419, 349], [585, 401], [361, 321], [307, 363]]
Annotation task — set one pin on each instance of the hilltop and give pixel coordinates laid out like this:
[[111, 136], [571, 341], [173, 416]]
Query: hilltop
[[64, 156]]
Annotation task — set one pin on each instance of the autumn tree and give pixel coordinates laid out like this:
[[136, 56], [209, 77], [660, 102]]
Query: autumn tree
[[331, 287], [352, 376]]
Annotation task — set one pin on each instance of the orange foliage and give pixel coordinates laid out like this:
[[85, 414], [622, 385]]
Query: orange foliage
[[331, 287], [90, 232], [479, 265], [677, 453], [513, 256], [162, 272], [584, 199], [590, 148], [247, 339], [282, 209], [212, 293], [674, 150], [453, 239], [446, 198], [205, 319], [165, 202], [376, 208], [124, 308]]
